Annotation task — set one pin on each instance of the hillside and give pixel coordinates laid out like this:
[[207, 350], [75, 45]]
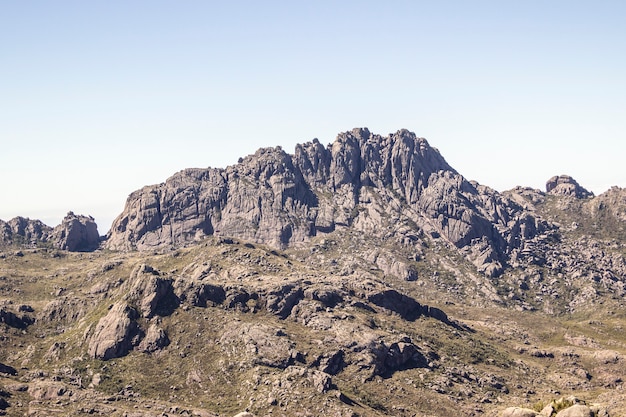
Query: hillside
[[364, 278]]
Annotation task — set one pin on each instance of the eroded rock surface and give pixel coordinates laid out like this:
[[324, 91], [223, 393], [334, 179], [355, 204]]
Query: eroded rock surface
[[566, 185], [76, 233], [358, 181], [116, 333]]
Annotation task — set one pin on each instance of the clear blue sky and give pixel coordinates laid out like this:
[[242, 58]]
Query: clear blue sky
[[98, 98]]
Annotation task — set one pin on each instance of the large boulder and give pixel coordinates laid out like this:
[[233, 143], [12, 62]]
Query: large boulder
[[76, 233], [518, 412], [156, 339], [116, 333], [577, 410]]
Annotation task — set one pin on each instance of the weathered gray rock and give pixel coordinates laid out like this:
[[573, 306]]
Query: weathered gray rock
[[20, 230], [199, 294], [63, 310], [518, 412], [333, 363], [76, 233], [259, 344], [282, 300], [566, 185], [384, 358], [155, 339], [44, 390], [152, 293], [577, 410], [116, 333]]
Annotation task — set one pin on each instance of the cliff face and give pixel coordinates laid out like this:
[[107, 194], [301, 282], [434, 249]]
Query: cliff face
[[76, 233], [362, 180]]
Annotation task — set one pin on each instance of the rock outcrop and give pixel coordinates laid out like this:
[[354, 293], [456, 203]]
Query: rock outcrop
[[20, 230], [566, 185], [365, 181], [116, 333], [518, 412], [76, 233]]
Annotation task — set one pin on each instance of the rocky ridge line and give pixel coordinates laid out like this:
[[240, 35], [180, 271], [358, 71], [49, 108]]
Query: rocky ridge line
[[76, 233], [365, 181]]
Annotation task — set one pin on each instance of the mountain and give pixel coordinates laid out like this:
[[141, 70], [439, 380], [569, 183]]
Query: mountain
[[397, 185], [362, 278]]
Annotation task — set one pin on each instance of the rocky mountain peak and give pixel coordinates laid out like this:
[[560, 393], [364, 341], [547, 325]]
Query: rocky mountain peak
[[566, 185], [364, 181], [274, 197]]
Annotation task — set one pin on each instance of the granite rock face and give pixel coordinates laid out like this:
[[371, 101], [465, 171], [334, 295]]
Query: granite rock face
[[76, 233], [566, 185], [116, 333], [23, 230], [362, 180]]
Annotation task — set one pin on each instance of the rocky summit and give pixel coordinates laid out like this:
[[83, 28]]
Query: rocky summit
[[362, 278], [395, 185]]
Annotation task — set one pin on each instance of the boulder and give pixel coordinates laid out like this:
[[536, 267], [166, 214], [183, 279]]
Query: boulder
[[259, 344], [155, 339], [76, 233], [116, 333], [46, 391], [334, 363], [282, 300], [518, 412], [577, 410], [199, 294], [407, 307]]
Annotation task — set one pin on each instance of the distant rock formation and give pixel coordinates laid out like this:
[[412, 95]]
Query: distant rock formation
[[395, 184], [20, 230], [76, 233], [566, 185]]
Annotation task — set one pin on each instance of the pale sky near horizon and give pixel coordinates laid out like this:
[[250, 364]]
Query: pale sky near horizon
[[99, 98]]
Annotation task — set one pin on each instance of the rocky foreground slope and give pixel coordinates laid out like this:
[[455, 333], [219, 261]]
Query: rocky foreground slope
[[364, 278]]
